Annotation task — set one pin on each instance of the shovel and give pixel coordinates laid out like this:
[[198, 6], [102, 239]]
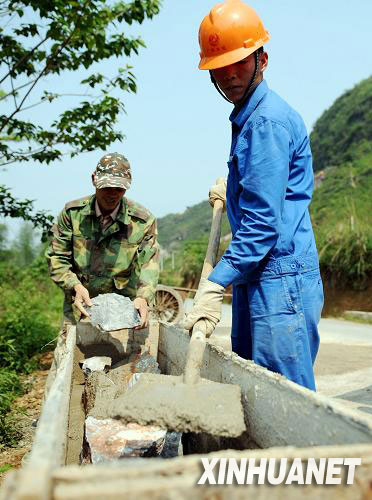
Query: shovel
[[187, 403]]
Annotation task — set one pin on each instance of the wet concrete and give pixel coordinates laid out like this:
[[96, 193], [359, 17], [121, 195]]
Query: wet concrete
[[76, 416], [168, 402], [101, 388]]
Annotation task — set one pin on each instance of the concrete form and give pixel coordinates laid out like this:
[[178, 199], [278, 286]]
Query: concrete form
[[277, 412], [282, 419]]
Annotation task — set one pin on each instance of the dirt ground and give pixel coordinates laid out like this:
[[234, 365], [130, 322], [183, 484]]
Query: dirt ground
[[339, 299], [336, 359], [28, 408]]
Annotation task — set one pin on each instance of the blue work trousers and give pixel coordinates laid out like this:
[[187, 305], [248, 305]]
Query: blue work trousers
[[275, 317]]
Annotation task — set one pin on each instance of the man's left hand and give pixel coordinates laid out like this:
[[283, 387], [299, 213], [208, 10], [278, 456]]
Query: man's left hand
[[207, 306], [218, 192], [143, 310]]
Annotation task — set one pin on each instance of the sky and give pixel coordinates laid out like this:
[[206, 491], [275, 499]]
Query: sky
[[176, 126]]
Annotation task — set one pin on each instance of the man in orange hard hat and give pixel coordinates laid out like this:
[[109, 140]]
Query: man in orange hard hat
[[272, 260]]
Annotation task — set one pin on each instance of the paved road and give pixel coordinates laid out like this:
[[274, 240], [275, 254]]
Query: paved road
[[343, 368]]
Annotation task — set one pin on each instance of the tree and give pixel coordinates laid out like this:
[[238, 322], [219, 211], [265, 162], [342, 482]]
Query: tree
[[3, 238], [192, 261], [25, 248], [40, 39]]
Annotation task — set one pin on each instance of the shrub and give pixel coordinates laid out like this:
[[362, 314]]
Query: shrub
[[10, 388], [30, 310], [25, 319]]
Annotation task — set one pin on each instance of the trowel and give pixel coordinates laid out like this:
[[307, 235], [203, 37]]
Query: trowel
[[187, 403]]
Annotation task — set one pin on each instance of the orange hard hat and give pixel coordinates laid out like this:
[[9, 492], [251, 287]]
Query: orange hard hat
[[231, 32]]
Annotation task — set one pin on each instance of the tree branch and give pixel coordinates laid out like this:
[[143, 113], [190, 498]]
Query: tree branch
[[10, 20], [13, 207], [26, 56], [55, 97], [34, 151], [13, 93], [33, 85], [49, 59], [16, 90], [24, 154]]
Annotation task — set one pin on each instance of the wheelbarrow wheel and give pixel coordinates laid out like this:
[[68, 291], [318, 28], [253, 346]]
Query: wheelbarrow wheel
[[168, 305]]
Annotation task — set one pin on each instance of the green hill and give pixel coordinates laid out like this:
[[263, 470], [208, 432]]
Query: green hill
[[344, 131], [192, 224], [342, 205]]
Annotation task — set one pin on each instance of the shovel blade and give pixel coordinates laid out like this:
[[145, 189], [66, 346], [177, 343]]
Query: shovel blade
[[167, 402]]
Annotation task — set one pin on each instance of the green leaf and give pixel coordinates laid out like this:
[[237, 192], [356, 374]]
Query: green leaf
[[64, 37]]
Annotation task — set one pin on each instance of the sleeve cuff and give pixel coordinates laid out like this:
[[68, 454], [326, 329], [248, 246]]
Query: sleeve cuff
[[70, 283], [146, 293], [224, 274]]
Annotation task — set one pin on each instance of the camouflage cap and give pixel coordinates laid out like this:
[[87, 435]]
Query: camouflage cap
[[113, 170]]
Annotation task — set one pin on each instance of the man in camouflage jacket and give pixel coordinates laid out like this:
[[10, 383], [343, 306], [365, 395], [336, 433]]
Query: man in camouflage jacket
[[105, 243]]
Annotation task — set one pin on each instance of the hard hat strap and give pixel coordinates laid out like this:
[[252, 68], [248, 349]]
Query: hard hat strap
[[213, 80], [247, 92], [249, 88]]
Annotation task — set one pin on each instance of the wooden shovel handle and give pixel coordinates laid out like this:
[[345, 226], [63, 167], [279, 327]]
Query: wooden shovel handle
[[198, 339], [214, 240], [195, 354]]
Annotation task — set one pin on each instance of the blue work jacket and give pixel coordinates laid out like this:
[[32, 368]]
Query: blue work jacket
[[269, 188]]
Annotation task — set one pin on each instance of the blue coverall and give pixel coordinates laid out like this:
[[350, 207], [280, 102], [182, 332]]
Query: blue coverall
[[272, 260]]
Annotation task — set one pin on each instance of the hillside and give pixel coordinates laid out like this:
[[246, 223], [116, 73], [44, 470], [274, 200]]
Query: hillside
[[192, 224], [341, 209], [345, 129], [342, 205]]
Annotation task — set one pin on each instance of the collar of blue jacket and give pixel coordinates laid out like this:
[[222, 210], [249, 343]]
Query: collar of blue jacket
[[239, 116]]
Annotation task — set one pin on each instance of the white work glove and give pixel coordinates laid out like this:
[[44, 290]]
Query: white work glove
[[207, 307], [218, 192]]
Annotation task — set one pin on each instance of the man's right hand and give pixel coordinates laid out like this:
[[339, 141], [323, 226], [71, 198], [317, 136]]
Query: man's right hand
[[82, 298]]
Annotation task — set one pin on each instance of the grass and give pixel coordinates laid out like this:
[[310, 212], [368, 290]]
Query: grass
[[30, 310], [341, 213], [351, 317], [4, 468]]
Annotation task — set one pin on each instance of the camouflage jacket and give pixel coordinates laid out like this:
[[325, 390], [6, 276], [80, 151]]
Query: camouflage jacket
[[123, 259]]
